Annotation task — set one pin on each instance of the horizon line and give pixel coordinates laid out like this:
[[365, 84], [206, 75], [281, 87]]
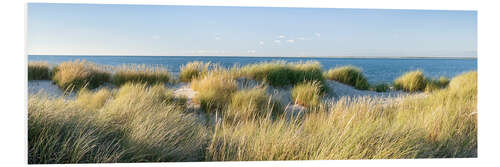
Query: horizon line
[[394, 57]]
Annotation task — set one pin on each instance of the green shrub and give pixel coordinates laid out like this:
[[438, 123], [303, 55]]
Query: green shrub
[[307, 94], [78, 74], [214, 90], [411, 82], [382, 87], [349, 75], [193, 70], [38, 71], [250, 104], [141, 74], [280, 73]]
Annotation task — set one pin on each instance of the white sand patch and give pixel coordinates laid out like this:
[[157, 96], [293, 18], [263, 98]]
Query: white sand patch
[[44, 86]]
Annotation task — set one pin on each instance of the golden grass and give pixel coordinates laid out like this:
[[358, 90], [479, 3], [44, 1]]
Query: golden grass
[[141, 74], [349, 75], [307, 94], [78, 74], [412, 81], [143, 122], [38, 70], [443, 124], [93, 100], [193, 70], [137, 125], [214, 90], [253, 103]]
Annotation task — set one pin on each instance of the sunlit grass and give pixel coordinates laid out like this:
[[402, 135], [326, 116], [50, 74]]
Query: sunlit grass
[[193, 70], [141, 74], [214, 90], [412, 81], [78, 74]]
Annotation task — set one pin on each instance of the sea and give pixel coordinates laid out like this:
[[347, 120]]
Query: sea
[[377, 70]]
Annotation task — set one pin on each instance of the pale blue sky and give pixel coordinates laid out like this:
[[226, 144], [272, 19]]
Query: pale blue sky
[[83, 29]]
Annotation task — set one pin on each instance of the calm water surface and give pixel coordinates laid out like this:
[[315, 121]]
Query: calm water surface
[[376, 69]]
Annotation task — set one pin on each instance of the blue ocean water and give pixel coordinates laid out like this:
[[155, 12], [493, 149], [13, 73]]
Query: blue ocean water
[[377, 70]]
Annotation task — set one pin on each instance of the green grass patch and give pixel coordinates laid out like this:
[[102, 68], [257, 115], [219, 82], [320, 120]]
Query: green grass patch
[[349, 75], [280, 73], [38, 71], [381, 87]]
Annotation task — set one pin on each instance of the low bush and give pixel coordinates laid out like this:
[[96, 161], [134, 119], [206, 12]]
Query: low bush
[[411, 82], [349, 75], [78, 74], [307, 94], [193, 70], [38, 71], [214, 90], [141, 74]]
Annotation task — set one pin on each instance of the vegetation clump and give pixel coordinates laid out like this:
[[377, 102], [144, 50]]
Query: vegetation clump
[[349, 75], [38, 71], [381, 87], [78, 74], [280, 73], [307, 94], [436, 84], [214, 90], [412, 81], [443, 124], [193, 70], [249, 104], [93, 100], [141, 74]]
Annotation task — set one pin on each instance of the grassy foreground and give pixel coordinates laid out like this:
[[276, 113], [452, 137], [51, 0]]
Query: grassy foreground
[[146, 123]]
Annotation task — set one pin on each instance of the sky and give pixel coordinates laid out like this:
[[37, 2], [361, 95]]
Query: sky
[[162, 30]]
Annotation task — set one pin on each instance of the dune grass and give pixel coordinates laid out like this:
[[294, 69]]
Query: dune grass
[[93, 100], [214, 90], [381, 87], [281, 73], [141, 74], [137, 125], [307, 94], [146, 122], [443, 124], [349, 75], [78, 74], [38, 70], [193, 70], [412, 81], [436, 84], [252, 103]]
